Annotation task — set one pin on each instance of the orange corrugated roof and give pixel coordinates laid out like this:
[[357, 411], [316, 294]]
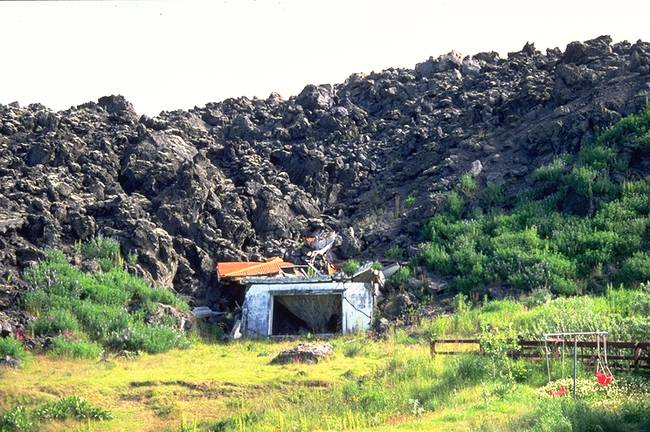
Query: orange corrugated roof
[[251, 268]]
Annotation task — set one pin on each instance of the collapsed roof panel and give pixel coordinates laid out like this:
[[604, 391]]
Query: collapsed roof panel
[[241, 269]]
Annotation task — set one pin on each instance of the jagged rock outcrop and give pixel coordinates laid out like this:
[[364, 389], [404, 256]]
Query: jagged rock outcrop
[[245, 177]]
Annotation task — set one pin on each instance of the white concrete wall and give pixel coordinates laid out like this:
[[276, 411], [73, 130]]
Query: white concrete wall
[[357, 307], [357, 304]]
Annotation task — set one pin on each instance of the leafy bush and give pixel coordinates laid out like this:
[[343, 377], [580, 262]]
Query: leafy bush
[[54, 322], [491, 196], [402, 275], [13, 348], [97, 306], [152, 339], [101, 248], [76, 348], [71, 407], [17, 419], [537, 298], [395, 252], [21, 419], [468, 185], [621, 312], [455, 204], [636, 268], [568, 415], [353, 348], [409, 201], [350, 266]]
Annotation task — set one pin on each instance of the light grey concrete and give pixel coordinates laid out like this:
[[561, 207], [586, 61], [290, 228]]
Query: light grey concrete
[[257, 312]]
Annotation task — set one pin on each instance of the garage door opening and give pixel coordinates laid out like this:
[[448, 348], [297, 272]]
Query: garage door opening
[[302, 314]]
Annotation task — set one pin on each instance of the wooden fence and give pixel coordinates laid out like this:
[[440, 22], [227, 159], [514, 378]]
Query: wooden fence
[[620, 355]]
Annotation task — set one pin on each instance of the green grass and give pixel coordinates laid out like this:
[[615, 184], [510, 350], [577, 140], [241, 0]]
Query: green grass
[[556, 415], [366, 385], [621, 312], [106, 309], [68, 347], [22, 419], [13, 348]]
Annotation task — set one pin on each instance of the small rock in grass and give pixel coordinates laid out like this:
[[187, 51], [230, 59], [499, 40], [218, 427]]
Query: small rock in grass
[[304, 353], [11, 362]]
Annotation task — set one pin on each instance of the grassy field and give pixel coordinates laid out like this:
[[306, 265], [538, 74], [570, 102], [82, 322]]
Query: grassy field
[[367, 385], [207, 383]]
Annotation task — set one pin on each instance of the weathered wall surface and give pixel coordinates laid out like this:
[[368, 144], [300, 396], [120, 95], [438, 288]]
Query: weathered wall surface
[[357, 304], [357, 307]]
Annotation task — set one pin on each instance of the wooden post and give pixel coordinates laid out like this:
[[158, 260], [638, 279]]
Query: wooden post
[[575, 364], [432, 348]]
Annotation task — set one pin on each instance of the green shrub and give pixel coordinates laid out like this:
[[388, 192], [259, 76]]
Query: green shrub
[[455, 204], [409, 201], [584, 223], [54, 322], [436, 258], [96, 306], [99, 320], [621, 312], [468, 185], [152, 339], [17, 419], [13, 348], [537, 297], [395, 252], [101, 248], [550, 178], [553, 415], [75, 348], [491, 196], [71, 407], [350, 266], [21, 419], [402, 275], [353, 348], [636, 269]]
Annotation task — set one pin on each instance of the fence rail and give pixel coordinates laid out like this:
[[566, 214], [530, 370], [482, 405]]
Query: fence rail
[[620, 354]]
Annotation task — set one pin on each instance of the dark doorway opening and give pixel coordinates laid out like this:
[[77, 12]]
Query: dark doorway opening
[[302, 314]]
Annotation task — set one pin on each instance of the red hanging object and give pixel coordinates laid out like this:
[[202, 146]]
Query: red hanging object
[[603, 379], [559, 392]]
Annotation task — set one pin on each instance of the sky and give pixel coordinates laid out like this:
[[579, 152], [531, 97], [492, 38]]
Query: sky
[[165, 55]]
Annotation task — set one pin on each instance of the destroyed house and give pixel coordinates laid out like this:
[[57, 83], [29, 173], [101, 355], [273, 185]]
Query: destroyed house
[[284, 301], [295, 306]]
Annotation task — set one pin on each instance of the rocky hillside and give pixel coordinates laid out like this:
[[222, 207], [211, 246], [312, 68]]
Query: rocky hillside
[[370, 158]]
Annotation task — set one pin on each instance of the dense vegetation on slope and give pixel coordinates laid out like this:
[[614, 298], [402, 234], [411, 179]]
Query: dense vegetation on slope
[[584, 222], [109, 307]]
